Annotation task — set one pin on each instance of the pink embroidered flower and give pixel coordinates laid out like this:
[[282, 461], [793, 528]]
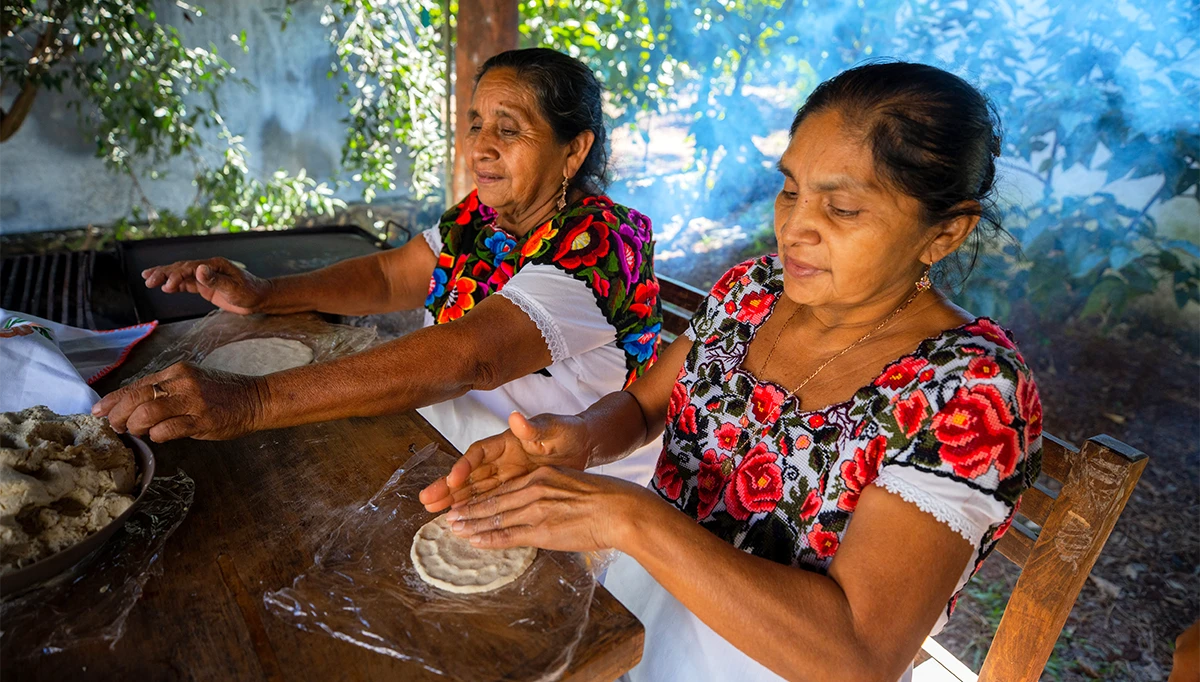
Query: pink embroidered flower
[[723, 285], [901, 373], [754, 307], [687, 420], [666, 477], [679, 398], [709, 482], [812, 505], [861, 472], [823, 542], [1029, 406], [765, 401], [727, 435], [757, 484], [990, 331], [910, 413], [975, 432]]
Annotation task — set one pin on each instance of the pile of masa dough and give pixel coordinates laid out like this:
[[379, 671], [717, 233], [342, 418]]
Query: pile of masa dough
[[62, 478]]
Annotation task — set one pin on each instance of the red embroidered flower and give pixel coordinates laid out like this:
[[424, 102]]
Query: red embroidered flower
[[975, 431], [723, 285], [599, 284], [727, 435], [583, 245], [500, 276], [1003, 527], [990, 331], [926, 376], [755, 306], [982, 367], [816, 421], [679, 398], [709, 482], [666, 477], [910, 413], [1029, 406], [901, 373], [730, 307], [812, 505], [645, 295], [757, 484], [481, 270], [687, 419], [823, 542], [468, 207], [765, 402], [861, 472], [598, 200]]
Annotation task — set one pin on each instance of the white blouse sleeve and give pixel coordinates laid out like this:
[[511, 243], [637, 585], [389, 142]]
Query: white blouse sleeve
[[433, 237], [563, 308]]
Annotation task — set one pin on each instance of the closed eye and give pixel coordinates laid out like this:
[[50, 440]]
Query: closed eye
[[843, 213]]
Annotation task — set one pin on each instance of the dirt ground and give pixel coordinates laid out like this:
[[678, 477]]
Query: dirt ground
[[1139, 382]]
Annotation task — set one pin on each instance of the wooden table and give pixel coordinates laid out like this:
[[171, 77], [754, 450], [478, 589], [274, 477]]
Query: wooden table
[[263, 504]]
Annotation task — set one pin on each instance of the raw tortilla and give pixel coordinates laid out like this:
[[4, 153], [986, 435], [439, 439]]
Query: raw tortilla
[[449, 562], [256, 357]]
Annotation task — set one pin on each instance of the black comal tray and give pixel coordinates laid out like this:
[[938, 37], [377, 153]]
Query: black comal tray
[[266, 254]]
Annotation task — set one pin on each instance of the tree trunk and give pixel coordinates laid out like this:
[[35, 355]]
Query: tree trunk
[[11, 120]]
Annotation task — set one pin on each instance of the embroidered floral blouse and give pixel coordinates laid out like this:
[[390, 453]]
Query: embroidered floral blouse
[[585, 278], [954, 427]]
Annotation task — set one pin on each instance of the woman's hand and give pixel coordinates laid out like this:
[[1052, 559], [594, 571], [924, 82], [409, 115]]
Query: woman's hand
[[184, 400], [554, 508], [218, 280], [544, 440]]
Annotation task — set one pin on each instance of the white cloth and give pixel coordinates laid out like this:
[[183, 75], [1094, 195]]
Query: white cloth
[[586, 366], [54, 365], [679, 646]]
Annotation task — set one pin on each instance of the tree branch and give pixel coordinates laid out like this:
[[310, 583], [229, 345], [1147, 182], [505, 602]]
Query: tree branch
[[11, 120]]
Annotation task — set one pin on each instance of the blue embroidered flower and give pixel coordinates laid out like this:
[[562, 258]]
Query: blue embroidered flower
[[499, 244], [437, 285], [640, 344]]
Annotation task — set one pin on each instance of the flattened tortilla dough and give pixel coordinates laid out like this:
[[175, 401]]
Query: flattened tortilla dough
[[450, 563], [257, 357]]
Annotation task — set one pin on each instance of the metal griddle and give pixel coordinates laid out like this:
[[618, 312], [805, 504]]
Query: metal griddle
[[266, 254]]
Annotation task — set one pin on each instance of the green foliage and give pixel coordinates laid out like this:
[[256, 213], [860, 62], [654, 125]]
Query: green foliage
[[146, 98], [390, 55]]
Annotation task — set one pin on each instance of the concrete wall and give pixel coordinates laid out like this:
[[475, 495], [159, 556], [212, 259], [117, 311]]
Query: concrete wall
[[50, 178]]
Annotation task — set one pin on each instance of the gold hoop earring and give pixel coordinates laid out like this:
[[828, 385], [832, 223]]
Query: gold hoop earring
[[924, 283], [562, 199]]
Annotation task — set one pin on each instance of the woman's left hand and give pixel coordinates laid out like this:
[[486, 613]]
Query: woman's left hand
[[185, 401], [553, 508]]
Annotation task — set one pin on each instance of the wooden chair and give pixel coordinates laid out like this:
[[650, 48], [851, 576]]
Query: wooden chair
[[1055, 539]]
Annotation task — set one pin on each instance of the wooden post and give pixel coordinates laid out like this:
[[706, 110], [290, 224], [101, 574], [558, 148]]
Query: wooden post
[[485, 28]]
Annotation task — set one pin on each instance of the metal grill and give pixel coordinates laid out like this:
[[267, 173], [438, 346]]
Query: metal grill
[[54, 286]]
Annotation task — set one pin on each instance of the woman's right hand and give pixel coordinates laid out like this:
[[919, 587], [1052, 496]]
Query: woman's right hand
[[544, 440], [218, 280]]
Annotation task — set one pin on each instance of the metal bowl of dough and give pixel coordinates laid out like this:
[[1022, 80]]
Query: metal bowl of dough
[[45, 569]]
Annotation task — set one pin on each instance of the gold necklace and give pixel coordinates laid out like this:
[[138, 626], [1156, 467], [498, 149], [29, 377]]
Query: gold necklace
[[922, 285]]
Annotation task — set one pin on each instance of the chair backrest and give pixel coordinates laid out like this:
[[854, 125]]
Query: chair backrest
[[1055, 538]]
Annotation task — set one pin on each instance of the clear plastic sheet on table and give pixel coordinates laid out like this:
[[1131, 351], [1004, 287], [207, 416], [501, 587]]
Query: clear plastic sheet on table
[[90, 602], [362, 588], [220, 328]]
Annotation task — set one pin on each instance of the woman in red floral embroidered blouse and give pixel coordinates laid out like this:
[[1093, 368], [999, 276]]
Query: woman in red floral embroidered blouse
[[842, 445]]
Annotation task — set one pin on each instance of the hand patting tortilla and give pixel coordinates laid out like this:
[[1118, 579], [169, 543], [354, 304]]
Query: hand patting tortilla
[[449, 562], [257, 357]]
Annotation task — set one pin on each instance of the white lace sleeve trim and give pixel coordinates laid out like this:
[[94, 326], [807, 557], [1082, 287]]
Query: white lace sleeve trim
[[543, 319], [931, 505], [434, 238]]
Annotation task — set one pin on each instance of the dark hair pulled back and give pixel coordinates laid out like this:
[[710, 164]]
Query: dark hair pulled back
[[934, 137], [570, 100]]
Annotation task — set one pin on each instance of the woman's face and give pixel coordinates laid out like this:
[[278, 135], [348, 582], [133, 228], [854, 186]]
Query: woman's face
[[845, 237], [515, 159]]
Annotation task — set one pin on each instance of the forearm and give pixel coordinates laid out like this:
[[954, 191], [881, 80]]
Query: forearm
[[357, 286], [371, 383], [795, 622], [615, 427]]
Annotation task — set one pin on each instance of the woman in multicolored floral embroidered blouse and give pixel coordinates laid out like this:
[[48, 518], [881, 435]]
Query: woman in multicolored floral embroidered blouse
[[539, 291], [843, 445]]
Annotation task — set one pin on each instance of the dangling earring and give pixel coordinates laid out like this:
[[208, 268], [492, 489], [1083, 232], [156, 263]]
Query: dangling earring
[[924, 283], [562, 200]]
